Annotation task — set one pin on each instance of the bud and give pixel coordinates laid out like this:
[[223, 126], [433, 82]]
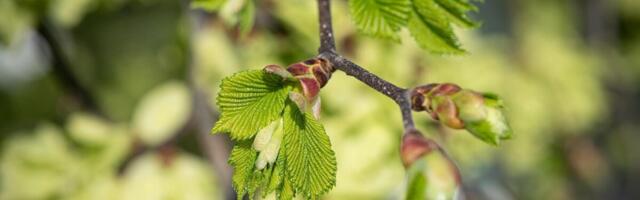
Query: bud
[[414, 145], [312, 74], [431, 174], [494, 126], [481, 114]]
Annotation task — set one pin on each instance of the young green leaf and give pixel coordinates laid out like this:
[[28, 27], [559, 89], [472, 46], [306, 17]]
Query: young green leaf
[[242, 159], [431, 28], [248, 102], [380, 18], [310, 161]]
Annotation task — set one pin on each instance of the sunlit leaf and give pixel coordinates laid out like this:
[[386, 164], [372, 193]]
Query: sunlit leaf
[[248, 102]]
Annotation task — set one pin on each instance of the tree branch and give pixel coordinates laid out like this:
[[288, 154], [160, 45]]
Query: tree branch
[[327, 51], [327, 43]]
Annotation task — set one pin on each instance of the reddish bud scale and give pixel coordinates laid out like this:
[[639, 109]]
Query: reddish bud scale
[[423, 98], [313, 74], [414, 145]]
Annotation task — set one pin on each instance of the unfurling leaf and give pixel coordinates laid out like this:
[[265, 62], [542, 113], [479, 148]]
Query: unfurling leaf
[[269, 151], [248, 102], [480, 114]]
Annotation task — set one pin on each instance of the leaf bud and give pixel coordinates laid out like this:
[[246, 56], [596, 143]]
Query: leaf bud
[[479, 113]]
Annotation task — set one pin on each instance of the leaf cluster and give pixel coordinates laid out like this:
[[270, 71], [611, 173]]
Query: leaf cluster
[[305, 164]]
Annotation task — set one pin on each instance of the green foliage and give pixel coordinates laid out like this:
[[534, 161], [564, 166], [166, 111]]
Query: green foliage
[[380, 18], [429, 21], [310, 161], [249, 101]]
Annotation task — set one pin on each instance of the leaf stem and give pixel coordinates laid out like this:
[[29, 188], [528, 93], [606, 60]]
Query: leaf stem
[[327, 51]]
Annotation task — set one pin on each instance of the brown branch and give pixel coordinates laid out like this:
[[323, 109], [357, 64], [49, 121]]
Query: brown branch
[[327, 51], [327, 42]]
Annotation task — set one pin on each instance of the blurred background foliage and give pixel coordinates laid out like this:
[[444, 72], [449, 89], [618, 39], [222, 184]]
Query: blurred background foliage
[[113, 99]]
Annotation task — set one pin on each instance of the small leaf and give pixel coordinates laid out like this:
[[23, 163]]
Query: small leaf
[[249, 101], [380, 18], [242, 159], [310, 161]]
